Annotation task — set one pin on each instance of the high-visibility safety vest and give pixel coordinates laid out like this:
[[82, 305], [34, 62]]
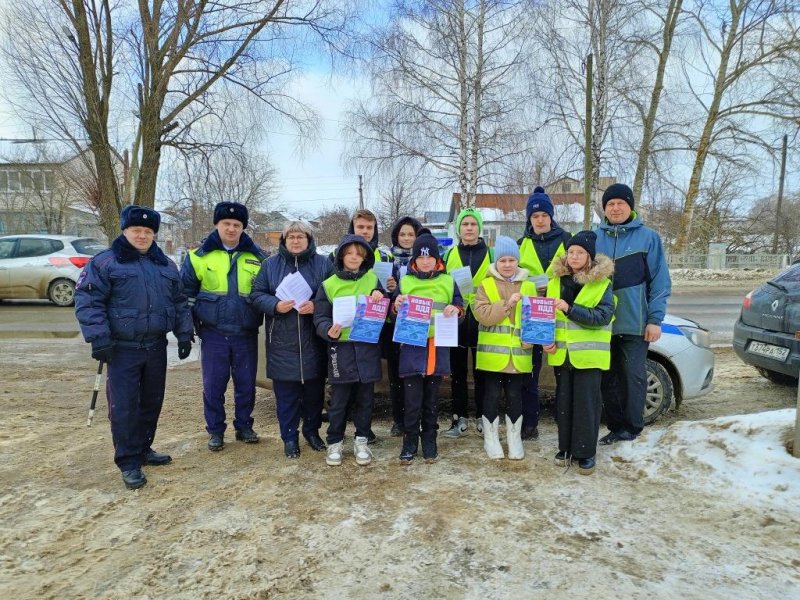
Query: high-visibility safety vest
[[497, 344], [439, 289], [212, 270], [453, 261], [529, 259], [336, 287], [588, 347]]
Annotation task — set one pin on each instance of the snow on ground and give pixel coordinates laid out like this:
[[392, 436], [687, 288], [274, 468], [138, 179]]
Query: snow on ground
[[742, 456]]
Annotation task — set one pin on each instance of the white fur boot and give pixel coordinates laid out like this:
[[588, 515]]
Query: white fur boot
[[514, 439], [491, 438]]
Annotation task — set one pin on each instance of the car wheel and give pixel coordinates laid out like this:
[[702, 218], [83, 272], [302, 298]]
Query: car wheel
[[775, 377], [659, 394], [62, 292]]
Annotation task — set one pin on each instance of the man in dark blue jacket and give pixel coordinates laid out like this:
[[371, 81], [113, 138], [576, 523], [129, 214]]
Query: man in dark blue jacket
[[218, 277], [641, 286], [127, 298]]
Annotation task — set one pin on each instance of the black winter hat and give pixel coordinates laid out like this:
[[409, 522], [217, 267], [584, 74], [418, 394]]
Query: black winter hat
[[425, 245], [618, 190], [586, 240], [230, 210], [139, 216]]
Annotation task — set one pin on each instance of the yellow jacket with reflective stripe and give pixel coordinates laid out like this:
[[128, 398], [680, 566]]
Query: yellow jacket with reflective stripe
[[529, 259], [588, 347], [212, 270], [499, 344], [336, 287], [453, 261], [439, 289]]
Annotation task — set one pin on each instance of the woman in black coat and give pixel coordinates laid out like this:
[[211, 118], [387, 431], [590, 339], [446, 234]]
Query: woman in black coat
[[295, 354]]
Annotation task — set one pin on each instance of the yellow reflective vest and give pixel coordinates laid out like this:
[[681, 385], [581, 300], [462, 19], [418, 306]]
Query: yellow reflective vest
[[213, 267], [588, 347], [497, 344], [439, 289], [529, 259], [453, 261], [336, 287]]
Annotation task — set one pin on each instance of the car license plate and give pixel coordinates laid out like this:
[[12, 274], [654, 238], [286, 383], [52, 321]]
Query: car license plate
[[768, 350]]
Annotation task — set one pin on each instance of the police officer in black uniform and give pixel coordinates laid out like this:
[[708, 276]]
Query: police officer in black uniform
[[127, 298]]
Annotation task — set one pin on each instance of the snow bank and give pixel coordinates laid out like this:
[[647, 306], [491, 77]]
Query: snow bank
[[722, 274], [742, 457]]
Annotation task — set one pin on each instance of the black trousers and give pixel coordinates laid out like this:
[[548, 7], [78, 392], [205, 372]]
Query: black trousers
[[578, 408], [363, 400], [421, 401], [458, 368], [625, 384], [395, 382], [500, 386]]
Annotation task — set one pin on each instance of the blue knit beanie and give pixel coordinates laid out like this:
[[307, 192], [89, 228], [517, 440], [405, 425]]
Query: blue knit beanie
[[538, 201], [505, 246]]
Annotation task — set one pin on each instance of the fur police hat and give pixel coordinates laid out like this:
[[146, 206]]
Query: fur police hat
[[230, 210], [139, 216]]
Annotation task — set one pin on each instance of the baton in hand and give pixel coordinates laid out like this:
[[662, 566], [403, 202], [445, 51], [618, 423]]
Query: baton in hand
[[97, 379]]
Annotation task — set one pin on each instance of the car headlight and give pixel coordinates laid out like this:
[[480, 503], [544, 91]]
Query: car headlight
[[699, 337]]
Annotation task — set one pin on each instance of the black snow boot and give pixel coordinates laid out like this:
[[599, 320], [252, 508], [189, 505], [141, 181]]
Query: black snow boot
[[429, 451], [409, 451]]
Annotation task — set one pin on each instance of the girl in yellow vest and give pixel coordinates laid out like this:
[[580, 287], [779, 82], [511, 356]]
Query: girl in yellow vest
[[422, 367], [582, 350], [353, 367], [502, 356]]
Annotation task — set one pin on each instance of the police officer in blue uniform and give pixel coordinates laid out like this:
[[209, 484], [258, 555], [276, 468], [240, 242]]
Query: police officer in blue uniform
[[127, 298], [218, 277]]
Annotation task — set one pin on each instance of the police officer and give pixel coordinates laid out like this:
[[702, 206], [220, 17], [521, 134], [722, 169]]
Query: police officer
[[127, 298], [218, 277]]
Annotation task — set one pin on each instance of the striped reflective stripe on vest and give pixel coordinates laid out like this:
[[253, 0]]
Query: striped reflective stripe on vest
[[499, 344]]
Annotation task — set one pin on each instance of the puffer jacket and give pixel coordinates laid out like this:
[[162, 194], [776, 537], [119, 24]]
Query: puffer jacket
[[348, 362], [490, 313], [131, 299], [641, 278], [233, 313], [602, 268], [294, 351]]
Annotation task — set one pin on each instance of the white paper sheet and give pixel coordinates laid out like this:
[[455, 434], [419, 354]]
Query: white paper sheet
[[383, 270], [294, 287], [463, 278], [402, 271], [344, 310], [445, 330]]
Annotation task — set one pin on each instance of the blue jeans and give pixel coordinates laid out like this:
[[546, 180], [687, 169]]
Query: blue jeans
[[223, 357], [295, 399], [625, 385], [135, 393]]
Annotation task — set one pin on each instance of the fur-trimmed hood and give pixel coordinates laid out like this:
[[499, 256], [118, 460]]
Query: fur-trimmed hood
[[520, 275], [602, 267]]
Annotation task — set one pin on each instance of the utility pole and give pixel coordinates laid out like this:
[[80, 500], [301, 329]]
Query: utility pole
[[587, 153], [360, 192], [780, 197]]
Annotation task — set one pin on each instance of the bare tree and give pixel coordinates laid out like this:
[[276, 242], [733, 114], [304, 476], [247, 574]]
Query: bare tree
[[333, 223], [400, 199], [754, 40], [446, 96]]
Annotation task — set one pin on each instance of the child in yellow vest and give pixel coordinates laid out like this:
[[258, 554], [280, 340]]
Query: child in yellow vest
[[582, 350], [502, 356]]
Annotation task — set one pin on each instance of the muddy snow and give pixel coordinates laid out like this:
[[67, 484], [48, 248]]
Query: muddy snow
[[703, 505]]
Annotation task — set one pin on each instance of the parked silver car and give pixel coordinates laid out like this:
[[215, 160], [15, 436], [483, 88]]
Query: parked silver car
[[43, 266]]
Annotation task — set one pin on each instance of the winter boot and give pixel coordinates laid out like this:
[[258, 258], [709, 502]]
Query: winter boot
[[429, 450], [362, 451], [334, 454], [491, 438], [514, 438], [562, 458], [409, 451], [586, 466], [458, 427]]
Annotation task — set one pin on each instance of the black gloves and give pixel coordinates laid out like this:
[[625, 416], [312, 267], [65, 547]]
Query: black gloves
[[184, 348], [102, 353]]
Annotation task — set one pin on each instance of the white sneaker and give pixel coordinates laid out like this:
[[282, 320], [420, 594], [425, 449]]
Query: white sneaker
[[458, 428], [362, 451], [334, 455]]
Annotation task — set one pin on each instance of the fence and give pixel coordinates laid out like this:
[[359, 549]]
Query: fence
[[727, 261]]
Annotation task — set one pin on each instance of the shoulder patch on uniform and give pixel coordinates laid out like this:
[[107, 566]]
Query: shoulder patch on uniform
[[81, 277], [252, 261]]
